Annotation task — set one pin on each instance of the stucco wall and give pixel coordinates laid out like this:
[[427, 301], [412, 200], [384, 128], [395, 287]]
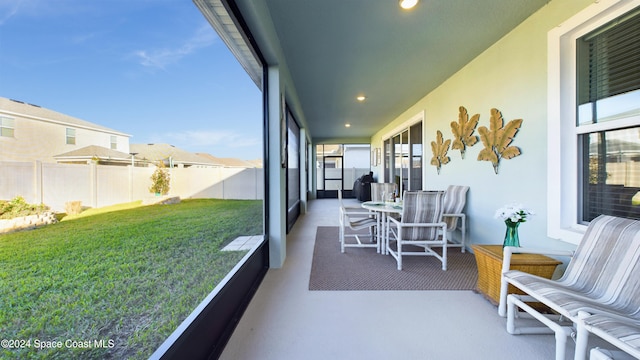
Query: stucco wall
[[512, 77]]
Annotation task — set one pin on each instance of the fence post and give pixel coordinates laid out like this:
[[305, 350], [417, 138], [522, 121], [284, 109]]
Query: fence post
[[93, 183], [130, 182], [37, 182]]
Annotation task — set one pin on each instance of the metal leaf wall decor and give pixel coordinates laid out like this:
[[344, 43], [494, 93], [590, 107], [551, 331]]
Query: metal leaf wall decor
[[497, 139], [439, 149], [463, 131]]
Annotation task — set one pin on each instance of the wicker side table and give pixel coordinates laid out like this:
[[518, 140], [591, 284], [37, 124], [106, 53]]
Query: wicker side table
[[489, 261]]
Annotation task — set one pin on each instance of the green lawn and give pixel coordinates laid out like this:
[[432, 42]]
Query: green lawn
[[127, 278]]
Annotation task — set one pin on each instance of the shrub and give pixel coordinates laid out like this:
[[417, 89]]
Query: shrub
[[18, 207], [160, 180]]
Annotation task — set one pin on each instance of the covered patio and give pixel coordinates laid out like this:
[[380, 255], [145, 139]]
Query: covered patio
[[338, 72], [287, 321]]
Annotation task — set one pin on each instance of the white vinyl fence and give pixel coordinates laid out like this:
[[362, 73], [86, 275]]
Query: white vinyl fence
[[101, 185]]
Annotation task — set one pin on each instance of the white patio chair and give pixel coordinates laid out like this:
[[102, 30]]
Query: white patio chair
[[454, 201], [357, 218], [421, 226]]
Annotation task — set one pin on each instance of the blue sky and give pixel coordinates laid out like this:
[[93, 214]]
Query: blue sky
[[154, 69]]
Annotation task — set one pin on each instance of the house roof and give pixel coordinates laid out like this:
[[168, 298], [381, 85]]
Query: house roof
[[164, 152], [256, 162], [94, 151], [232, 162], [19, 108]]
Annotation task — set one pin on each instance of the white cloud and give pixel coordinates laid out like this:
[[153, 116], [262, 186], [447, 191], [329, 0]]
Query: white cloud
[[160, 58], [8, 9]]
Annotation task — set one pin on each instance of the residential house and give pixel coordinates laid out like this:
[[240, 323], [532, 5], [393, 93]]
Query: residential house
[[29, 132], [99, 155]]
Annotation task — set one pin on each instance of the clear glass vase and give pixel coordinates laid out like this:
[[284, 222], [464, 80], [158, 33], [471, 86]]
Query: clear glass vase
[[511, 236]]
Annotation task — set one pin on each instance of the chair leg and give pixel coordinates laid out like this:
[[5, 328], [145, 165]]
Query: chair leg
[[582, 337], [463, 229], [562, 333], [444, 256], [342, 236], [399, 247]]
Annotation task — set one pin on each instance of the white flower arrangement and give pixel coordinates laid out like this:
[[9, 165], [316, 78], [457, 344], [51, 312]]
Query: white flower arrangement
[[514, 213]]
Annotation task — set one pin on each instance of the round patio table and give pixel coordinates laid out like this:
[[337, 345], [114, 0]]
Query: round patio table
[[384, 208]]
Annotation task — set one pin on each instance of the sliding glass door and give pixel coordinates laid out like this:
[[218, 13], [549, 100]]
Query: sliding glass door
[[403, 158]]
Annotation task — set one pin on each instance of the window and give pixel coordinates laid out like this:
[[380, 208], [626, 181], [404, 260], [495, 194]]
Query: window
[[594, 118], [608, 88], [114, 142], [7, 127], [71, 136]]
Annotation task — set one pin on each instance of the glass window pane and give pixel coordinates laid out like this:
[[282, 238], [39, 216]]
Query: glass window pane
[[397, 161], [608, 71], [611, 174], [415, 181], [71, 136], [7, 122], [333, 184], [387, 160], [6, 132]]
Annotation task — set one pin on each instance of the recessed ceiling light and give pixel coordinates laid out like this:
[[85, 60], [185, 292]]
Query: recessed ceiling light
[[408, 4], [361, 98], [347, 125]]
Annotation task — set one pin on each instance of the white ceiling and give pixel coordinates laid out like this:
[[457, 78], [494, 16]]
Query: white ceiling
[[337, 49]]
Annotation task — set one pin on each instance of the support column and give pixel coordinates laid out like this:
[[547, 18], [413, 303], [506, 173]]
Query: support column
[[276, 191], [303, 171]]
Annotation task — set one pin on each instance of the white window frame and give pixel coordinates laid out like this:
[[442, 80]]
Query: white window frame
[[113, 142], [4, 125], [562, 132], [68, 137]]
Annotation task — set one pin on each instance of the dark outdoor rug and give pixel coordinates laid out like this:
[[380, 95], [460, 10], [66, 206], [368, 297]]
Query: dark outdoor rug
[[364, 269]]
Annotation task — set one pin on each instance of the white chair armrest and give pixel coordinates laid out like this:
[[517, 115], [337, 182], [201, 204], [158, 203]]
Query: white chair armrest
[[439, 224], [357, 212], [507, 252], [400, 223]]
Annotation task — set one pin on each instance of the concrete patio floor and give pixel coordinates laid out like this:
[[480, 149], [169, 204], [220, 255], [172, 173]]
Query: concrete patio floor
[[287, 321]]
